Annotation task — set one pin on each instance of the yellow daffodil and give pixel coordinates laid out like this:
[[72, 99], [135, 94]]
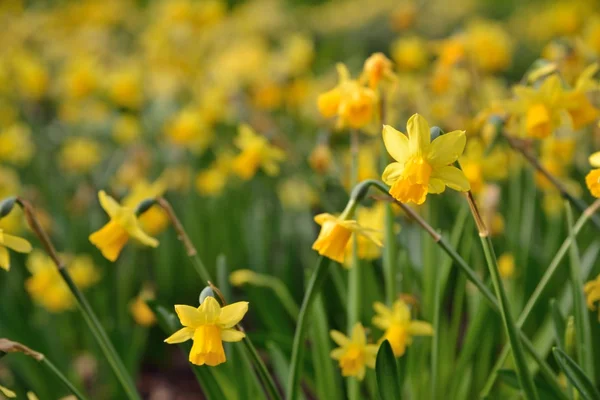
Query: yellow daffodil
[[398, 325], [16, 145], [488, 45], [592, 179], [296, 194], [580, 108], [506, 265], [188, 128], [140, 311], [154, 220], [126, 129], [377, 68], [592, 293], [335, 234], [209, 326], [540, 108], [353, 103], [13, 243], [320, 159], [47, 287], [373, 219], [479, 167], [410, 53], [125, 87], [123, 224], [354, 354], [213, 180], [256, 153], [422, 166]]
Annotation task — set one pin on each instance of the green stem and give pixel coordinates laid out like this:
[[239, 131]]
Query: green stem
[[314, 286], [263, 372], [537, 293], [62, 378], [582, 323], [509, 324], [101, 337]]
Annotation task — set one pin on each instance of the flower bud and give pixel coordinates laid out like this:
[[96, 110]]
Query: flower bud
[[206, 292], [6, 206], [144, 206]]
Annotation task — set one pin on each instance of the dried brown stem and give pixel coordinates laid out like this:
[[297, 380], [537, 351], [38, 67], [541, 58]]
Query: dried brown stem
[[181, 234]]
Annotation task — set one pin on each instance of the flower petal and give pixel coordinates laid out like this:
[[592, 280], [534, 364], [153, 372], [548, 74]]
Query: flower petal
[[232, 335], [138, 233], [418, 134], [232, 314], [452, 177], [336, 354], [4, 258], [595, 159], [338, 337], [188, 315], [436, 186], [210, 310], [181, 335], [392, 173], [110, 205], [17, 244], [396, 143], [358, 335], [447, 148], [420, 328]]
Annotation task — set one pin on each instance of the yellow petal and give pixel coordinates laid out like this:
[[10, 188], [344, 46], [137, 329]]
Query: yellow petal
[[595, 159], [17, 244], [452, 177], [109, 204], [436, 186], [382, 309], [420, 328], [324, 217], [358, 334], [401, 311], [396, 143], [4, 258], [447, 148], [392, 173], [339, 338], [232, 335], [418, 134], [7, 392], [210, 310], [181, 335], [336, 354], [142, 237], [189, 316], [232, 314]]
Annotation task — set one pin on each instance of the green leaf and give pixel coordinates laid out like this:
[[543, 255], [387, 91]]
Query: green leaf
[[387, 373], [510, 378], [575, 375], [559, 324]]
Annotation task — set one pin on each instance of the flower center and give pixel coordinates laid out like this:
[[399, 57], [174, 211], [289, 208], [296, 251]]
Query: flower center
[[352, 361], [397, 335], [538, 121], [412, 185]]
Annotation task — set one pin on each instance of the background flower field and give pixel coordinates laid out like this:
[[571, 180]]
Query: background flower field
[[250, 118]]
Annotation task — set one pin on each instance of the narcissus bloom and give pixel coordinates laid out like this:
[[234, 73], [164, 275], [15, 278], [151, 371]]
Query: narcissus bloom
[[354, 354], [140, 311], [209, 326], [377, 67], [335, 234], [155, 219], [398, 326], [592, 293], [580, 108], [422, 166], [256, 153], [592, 179], [123, 224], [14, 243]]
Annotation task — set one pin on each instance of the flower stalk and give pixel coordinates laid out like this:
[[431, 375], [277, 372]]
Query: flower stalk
[[525, 378], [89, 316]]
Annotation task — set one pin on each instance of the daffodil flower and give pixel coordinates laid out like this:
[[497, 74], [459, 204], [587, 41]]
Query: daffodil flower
[[422, 166], [14, 243], [592, 179], [209, 326], [592, 293], [398, 325], [354, 354], [123, 224], [335, 234], [256, 153], [580, 108]]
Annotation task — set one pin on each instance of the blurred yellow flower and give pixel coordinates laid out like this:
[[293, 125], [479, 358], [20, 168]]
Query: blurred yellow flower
[[140, 311], [80, 155], [398, 325], [126, 129], [31, 76], [81, 77], [335, 234], [7, 392], [123, 224], [354, 354], [579, 107], [256, 152], [320, 159], [377, 68], [47, 287], [154, 220], [125, 88], [212, 180], [592, 179], [296, 194], [422, 166], [410, 53], [373, 219], [209, 326], [540, 108], [488, 45], [592, 293], [16, 145], [13, 243], [479, 167], [506, 265], [189, 129], [353, 103]]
